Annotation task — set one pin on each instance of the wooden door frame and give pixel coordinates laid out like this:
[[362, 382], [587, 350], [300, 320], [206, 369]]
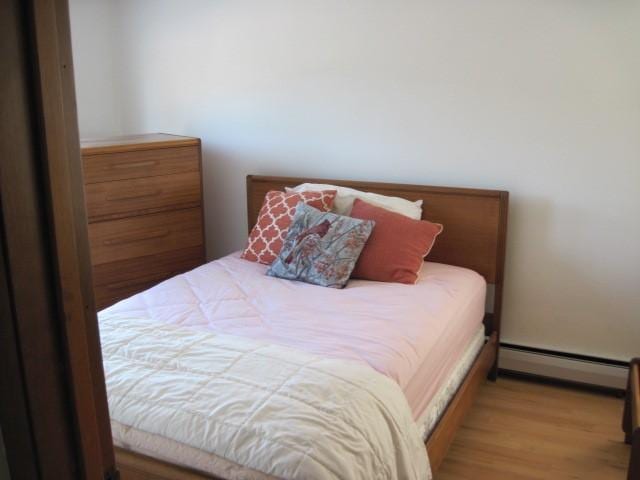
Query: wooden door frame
[[55, 420]]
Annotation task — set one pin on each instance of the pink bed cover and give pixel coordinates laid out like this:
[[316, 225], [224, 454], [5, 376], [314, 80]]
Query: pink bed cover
[[414, 334]]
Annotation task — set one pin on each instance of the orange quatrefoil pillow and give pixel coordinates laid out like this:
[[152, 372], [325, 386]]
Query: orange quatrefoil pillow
[[268, 234]]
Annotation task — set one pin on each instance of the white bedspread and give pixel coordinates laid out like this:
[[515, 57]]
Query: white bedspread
[[413, 334], [268, 407]]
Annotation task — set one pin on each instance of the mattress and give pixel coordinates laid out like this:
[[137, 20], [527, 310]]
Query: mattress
[[430, 416], [413, 334]]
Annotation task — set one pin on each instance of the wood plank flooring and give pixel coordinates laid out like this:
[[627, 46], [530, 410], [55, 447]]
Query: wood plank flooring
[[519, 430]]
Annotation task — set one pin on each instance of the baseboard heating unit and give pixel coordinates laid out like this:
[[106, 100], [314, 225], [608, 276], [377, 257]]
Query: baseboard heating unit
[[564, 367]]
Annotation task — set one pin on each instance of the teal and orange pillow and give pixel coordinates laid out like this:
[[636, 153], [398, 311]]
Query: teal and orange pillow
[[321, 247]]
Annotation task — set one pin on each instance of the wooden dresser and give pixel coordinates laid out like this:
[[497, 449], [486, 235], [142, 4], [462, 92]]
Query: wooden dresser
[[144, 206]]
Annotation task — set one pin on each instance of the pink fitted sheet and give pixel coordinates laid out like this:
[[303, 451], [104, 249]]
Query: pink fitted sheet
[[414, 334]]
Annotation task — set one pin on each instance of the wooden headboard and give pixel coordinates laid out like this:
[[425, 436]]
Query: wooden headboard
[[475, 223]]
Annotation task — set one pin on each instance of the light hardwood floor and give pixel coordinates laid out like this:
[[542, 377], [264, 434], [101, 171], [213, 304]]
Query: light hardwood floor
[[519, 430]]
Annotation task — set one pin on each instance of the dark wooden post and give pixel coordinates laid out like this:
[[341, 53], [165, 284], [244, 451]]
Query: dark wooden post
[[631, 418]]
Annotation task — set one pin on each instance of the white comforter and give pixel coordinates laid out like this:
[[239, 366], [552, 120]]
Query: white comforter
[[271, 408]]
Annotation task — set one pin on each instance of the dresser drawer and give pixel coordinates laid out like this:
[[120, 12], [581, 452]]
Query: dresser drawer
[[108, 167], [116, 240], [118, 280], [109, 200]]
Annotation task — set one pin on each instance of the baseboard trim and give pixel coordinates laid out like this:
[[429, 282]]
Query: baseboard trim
[[530, 377], [573, 356], [564, 368]]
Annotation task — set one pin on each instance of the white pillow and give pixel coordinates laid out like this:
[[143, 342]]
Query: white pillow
[[346, 196]]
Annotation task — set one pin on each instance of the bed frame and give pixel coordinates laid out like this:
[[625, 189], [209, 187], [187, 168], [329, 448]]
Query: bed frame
[[474, 237]]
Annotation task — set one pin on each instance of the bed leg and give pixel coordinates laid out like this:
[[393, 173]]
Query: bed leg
[[627, 416], [493, 373]]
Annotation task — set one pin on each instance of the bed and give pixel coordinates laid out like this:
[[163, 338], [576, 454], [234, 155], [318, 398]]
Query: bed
[[433, 343]]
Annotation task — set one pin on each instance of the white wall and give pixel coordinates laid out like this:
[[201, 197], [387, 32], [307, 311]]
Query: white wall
[[97, 62], [538, 97]]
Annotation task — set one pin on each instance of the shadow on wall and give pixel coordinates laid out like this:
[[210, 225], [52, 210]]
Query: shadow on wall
[[224, 180], [563, 292]]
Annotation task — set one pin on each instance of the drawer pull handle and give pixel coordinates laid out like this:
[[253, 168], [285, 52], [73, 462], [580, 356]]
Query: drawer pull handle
[[144, 163], [132, 195], [113, 242]]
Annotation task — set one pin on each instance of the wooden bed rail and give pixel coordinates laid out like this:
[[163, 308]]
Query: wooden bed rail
[[631, 418], [442, 435]]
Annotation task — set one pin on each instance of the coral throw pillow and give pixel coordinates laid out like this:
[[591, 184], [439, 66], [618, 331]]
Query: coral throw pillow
[[268, 234], [321, 247], [397, 246]]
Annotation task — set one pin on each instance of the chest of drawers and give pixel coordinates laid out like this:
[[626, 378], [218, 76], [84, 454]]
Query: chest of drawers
[[143, 198]]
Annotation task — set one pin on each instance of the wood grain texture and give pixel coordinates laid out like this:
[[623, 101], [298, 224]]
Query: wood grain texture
[[117, 280], [634, 393], [631, 418], [443, 434], [140, 196], [130, 143], [526, 431], [63, 187], [474, 220], [125, 165], [35, 412], [127, 238], [46, 253], [145, 212]]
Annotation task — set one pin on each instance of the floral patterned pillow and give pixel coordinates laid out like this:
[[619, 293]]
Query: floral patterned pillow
[[321, 247]]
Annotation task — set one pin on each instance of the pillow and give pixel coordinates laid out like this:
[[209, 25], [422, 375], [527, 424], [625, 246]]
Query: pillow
[[268, 234], [321, 248], [396, 249], [345, 197]]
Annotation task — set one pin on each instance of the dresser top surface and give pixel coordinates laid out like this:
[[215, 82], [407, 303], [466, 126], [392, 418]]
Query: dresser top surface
[[135, 142]]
